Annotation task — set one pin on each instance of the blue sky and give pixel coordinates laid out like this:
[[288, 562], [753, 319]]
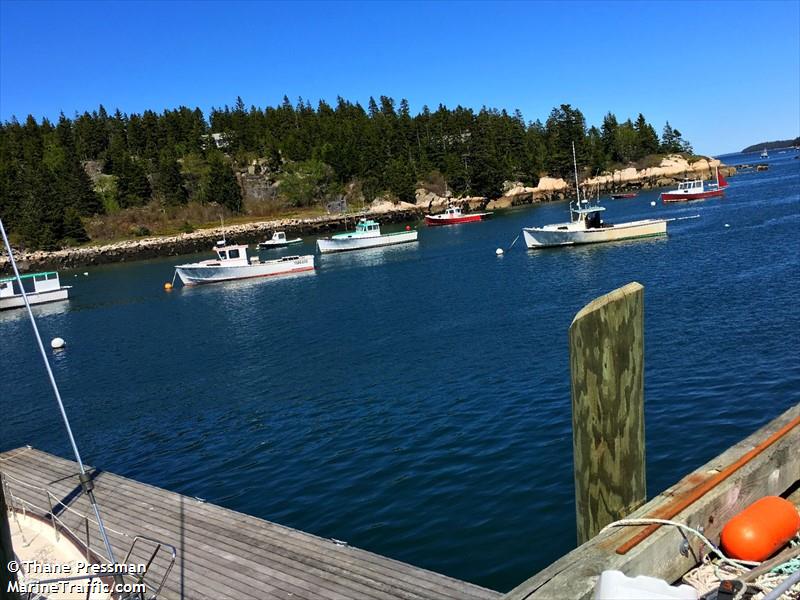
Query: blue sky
[[726, 74]]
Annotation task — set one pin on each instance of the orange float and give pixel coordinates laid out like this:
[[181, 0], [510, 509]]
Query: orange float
[[761, 529]]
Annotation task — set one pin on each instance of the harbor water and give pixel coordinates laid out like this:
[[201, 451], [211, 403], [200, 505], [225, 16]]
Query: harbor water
[[414, 400]]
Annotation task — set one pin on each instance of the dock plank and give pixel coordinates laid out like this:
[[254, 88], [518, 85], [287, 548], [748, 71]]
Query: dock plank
[[222, 553]]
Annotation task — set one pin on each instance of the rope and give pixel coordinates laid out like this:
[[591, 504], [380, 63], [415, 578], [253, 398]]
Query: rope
[[706, 541]]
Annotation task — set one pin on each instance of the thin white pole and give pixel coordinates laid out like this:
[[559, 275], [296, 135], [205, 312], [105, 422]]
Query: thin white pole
[[85, 480]]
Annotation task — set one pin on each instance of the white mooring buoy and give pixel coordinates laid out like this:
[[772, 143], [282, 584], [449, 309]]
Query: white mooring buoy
[[499, 252], [57, 343], [652, 203], [727, 224]]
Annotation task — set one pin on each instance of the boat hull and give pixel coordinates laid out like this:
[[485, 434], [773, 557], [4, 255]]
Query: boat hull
[[200, 274], [270, 244], [686, 197], [35, 298], [435, 220], [344, 244], [546, 237]]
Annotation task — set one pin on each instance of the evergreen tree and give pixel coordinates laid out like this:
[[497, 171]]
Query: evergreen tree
[[647, 139], [170, 184], [220, 185]]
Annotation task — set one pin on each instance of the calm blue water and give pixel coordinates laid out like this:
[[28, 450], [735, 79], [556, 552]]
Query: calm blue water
[[415, 401]]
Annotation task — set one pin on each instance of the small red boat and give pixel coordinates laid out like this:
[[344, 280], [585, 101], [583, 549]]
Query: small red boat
[[454, 216], [622, 196], [696, 190]]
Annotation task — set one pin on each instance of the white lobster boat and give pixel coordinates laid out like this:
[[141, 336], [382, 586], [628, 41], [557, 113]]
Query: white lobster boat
[[233, 263], [279, 240], [367, 235], [46, 288], [587, 227]]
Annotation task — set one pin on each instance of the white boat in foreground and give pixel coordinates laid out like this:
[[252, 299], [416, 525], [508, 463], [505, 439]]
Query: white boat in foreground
[[367, 235], [233, 263], [587, 227], [46, 288], [278, 240]]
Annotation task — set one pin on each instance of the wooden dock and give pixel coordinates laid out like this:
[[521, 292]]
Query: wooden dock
[[766, 462], [221, 554]]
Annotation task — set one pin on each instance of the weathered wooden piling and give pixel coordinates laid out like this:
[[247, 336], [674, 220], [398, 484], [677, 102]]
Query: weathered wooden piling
[[606, 350]]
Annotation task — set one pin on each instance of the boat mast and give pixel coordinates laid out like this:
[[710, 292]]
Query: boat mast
[[222, 220], [577, 189]]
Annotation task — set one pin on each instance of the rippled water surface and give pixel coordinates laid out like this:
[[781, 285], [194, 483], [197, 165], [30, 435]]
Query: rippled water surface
[[415, 400]]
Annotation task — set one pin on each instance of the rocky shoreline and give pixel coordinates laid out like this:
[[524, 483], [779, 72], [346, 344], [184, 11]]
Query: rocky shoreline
[[672, 169], [198, 241]]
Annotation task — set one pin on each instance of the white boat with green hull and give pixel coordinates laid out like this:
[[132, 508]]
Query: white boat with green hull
[[587, 227], [366, 235], [46, 288], [233, 263]]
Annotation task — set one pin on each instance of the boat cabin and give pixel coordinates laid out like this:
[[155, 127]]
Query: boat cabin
[[691, 186], [234, 256], [368, 226], [453, 211], [42, 282], [590, 215], [279, 236]]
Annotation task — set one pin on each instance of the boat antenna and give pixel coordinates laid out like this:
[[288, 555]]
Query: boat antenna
[[575, 166], [86, 480], [222, 220]]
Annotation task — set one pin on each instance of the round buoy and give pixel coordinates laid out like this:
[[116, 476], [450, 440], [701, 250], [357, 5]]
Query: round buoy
[[408, 227], [57, 343], [85, 274], [761, 529], [168, 286], [499, 252], [727, 224], [652, 203]]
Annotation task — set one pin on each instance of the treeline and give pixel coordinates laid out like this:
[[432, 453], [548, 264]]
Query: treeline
[[314, 153]]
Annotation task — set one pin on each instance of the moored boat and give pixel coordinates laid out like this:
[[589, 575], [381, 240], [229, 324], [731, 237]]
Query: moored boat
[[454, 216], [233, 263], [696, 190], [764, 153], [366, 235], [278, 240], [46, 288], [587, 227]]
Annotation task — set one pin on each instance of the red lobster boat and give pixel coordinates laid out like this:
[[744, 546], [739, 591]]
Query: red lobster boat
[[622, 196], [454, 216], [696, 190]]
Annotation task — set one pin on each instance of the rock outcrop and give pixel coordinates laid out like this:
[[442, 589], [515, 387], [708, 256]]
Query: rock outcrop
[[431, 202], [546, 190], [673, 168]]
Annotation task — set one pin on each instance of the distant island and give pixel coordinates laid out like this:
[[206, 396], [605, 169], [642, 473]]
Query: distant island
[[773, 145]]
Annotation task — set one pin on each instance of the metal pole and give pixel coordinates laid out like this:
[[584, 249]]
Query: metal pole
[[86, 481]]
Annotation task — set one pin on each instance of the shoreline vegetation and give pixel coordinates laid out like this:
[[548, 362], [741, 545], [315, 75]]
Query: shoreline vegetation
[[666, 172], [103, 177]]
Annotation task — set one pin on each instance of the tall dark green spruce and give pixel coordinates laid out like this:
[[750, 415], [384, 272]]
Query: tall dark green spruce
[[219, 184]]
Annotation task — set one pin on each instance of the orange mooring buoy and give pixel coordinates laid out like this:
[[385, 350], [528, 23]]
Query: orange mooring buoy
[[761, 529]]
